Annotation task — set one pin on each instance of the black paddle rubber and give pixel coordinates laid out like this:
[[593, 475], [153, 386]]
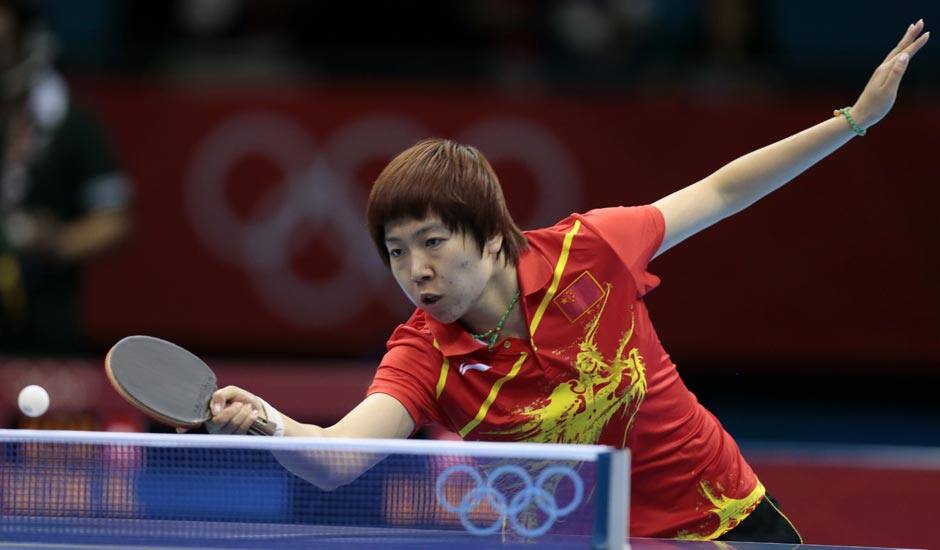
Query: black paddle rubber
[[165, 381]]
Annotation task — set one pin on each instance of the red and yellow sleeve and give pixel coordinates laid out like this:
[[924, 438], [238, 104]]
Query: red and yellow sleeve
[[408, 374], [635, 233]]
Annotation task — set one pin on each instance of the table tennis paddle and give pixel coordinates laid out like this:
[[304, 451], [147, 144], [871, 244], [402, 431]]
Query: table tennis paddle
[[166, 382]]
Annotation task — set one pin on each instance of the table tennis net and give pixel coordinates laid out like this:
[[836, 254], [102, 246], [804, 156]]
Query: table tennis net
[[65, 483]]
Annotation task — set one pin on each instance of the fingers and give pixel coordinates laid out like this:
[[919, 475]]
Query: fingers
[[898, 64], [226, 395], [917, 44], [890, 72], [909, 36], [233, 419], [233, 411], [249, 415]]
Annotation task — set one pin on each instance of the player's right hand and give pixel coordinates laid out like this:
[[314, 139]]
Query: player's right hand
[[233, 411]]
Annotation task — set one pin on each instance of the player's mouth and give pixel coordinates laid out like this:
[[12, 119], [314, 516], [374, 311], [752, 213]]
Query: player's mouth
[[428, 299]]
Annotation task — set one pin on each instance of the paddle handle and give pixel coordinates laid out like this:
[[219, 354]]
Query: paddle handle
[[261, 427]]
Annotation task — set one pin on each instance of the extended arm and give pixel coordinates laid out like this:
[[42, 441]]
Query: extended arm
[[377, 416], [747, 179]]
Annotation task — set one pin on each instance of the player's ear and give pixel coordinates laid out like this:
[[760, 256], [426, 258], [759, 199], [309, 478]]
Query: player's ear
[[494, 244]]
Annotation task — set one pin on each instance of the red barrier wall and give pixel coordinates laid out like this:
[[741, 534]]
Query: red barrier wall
[[886, 505], [250, 232]]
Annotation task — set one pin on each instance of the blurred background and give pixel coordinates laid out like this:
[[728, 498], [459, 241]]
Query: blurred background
[[197, 170]]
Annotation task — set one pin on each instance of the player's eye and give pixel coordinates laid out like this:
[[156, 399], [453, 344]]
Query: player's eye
[[433, 242], [395, 252]]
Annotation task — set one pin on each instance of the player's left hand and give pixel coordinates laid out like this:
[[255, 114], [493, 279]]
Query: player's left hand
[[879, 94]]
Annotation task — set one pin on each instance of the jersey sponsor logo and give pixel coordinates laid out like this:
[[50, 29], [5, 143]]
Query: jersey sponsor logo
[[473, 366], [580, 296]]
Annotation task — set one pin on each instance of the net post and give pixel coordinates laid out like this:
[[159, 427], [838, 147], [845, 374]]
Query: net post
[[612, 518]]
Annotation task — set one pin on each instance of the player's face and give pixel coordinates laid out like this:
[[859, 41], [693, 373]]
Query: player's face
[[441, 272]]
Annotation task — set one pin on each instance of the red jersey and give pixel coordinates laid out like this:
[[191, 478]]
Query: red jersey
[[592, 371]]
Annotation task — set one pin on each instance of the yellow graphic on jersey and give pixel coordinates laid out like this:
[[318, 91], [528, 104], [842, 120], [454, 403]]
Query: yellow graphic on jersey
[[730, 511], [578, 409]]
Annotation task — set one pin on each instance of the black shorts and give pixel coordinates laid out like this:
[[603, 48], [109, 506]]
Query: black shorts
[[765, 524]]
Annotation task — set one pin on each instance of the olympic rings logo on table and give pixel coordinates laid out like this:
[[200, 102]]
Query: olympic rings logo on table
[[509, 508], [319, 197]]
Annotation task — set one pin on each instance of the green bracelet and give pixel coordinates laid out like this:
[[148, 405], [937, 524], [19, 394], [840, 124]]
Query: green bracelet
[[846, 112]]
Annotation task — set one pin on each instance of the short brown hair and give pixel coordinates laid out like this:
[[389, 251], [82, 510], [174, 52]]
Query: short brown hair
[[448, 179]]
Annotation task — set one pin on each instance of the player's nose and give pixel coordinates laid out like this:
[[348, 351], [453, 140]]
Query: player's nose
[[421, 269]]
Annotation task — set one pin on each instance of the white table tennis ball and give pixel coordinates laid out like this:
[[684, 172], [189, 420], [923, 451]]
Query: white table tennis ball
[[33, 400]]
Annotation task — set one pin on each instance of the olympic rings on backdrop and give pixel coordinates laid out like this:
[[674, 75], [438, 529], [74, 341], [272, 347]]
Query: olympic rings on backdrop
[[532, 492], [319, 196]]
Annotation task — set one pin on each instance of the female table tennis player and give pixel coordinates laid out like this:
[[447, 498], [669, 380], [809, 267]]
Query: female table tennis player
[[544, 336]]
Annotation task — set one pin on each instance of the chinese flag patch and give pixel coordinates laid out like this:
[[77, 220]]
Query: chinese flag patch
[[579, 296]]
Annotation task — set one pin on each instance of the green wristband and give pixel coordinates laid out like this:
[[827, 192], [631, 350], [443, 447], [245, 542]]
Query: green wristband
[[846, 112]]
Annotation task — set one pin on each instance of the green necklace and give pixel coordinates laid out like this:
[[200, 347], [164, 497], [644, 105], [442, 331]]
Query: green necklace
[[489, 337]]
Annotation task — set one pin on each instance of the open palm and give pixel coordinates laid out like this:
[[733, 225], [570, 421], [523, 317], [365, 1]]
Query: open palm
[[882, 89]]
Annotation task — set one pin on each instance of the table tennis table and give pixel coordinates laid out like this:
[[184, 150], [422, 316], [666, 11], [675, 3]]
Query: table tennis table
[[84, 534], [81, 490]]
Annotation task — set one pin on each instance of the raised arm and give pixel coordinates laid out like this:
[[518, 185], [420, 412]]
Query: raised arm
[[747, 179]]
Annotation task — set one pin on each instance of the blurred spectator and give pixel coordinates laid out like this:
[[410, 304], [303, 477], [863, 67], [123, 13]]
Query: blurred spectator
[[712, 45], [230, 39], [728, 52], [89, 31], [508, 40], [62, 200]]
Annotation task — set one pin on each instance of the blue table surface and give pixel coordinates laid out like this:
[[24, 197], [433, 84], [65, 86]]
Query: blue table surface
[[90, 533]]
